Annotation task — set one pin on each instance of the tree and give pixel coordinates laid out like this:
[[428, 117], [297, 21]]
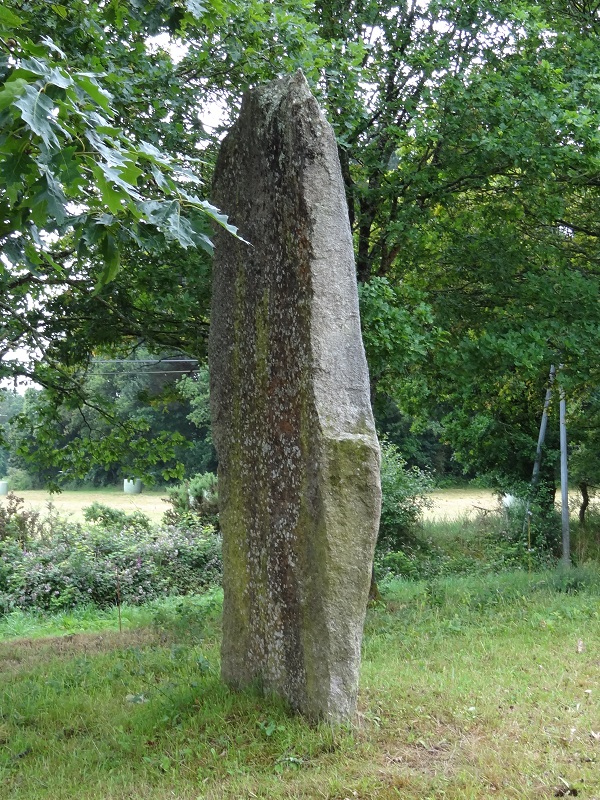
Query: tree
[[102, 218], [515, 285], [468, 132], [141, 418], [81, 185], [468, 140], [69, 169], [100, 169], [11, 404]]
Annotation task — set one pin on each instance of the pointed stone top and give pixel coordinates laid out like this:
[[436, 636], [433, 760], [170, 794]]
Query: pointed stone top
[[271, 95]]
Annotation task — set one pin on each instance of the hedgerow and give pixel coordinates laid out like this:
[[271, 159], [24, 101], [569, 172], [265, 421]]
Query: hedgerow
[[124, 559]]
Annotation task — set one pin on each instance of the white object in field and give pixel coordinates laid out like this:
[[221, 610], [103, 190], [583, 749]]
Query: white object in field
[[3, 487], [133, 486], [508, 500]]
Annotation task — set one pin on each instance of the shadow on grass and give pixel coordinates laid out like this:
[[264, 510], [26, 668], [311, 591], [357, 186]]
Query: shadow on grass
[[125, 711]]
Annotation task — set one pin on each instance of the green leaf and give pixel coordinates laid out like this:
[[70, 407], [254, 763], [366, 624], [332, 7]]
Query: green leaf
[[112, 259], [114, 157], [112, 196], [214, 213], [90, 85], [13, 250], [180, 228], [11, 90], [9, 19], [130, 172], [36, 110], [154, 153], [52, 75], [160, 179], [195, 7], [65, 163], [15, 165], [60, 10], [166, 215], [155, 211], [50, 201], [54, 47], [102, 126]]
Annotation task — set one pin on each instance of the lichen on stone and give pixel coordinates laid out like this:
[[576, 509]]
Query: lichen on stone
[[298, 455]]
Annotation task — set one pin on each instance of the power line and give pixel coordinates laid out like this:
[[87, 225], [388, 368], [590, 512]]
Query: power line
[[167, 362], [150, 372], [173, 360]]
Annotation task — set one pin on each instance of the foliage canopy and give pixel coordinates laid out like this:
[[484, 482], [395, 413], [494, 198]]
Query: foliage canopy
[[469, 141]]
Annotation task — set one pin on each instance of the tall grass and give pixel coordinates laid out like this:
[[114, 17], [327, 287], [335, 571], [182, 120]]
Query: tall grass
[[585, 539], [490, 543]]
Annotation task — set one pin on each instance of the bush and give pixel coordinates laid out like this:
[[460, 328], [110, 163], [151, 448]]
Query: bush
[[109, 517], [71, 565], [479, 546], [404, 496], [194, 502], [17, 523], [529, 515], [20, 480]]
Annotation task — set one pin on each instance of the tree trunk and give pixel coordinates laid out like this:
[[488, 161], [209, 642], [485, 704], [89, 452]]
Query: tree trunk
[[585, 501], [374, 593]]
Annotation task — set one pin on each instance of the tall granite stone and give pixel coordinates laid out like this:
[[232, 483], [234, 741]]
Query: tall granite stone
[[298, 456]]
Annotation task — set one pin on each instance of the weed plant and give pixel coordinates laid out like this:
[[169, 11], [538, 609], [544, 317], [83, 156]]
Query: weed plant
[[404, 497], [489, 544], [115, 558], [585, 538], [195, 502]]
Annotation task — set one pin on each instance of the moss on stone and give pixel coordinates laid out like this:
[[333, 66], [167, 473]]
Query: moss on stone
[[291, 384]]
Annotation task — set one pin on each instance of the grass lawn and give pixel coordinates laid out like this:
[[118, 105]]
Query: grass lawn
[[471, 688]]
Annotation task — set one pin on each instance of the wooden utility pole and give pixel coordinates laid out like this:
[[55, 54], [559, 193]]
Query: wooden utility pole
[[564, 480], [543, 425], [535, 477]]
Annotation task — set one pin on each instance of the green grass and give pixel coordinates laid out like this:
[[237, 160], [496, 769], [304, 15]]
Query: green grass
[[471, 688]]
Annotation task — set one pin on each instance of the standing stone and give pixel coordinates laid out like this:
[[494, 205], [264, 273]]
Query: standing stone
[[298, 455]]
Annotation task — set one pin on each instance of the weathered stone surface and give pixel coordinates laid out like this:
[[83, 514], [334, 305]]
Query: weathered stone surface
[[298, 455]]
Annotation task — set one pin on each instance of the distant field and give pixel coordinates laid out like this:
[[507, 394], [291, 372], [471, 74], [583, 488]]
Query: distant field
[[465, 502], [455, 503], [72, 503], [448, 503]]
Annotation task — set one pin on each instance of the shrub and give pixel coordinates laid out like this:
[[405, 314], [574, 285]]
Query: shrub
[[529, 515], [109, 517], [17, 523], [194, 502], [72, 565], [20, 480], [404, 496], [400, 565]]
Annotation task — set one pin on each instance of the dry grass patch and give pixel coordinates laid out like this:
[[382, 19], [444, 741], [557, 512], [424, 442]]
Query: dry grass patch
[[460, 503], [71, 504], [447, 503], [26, 653]]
